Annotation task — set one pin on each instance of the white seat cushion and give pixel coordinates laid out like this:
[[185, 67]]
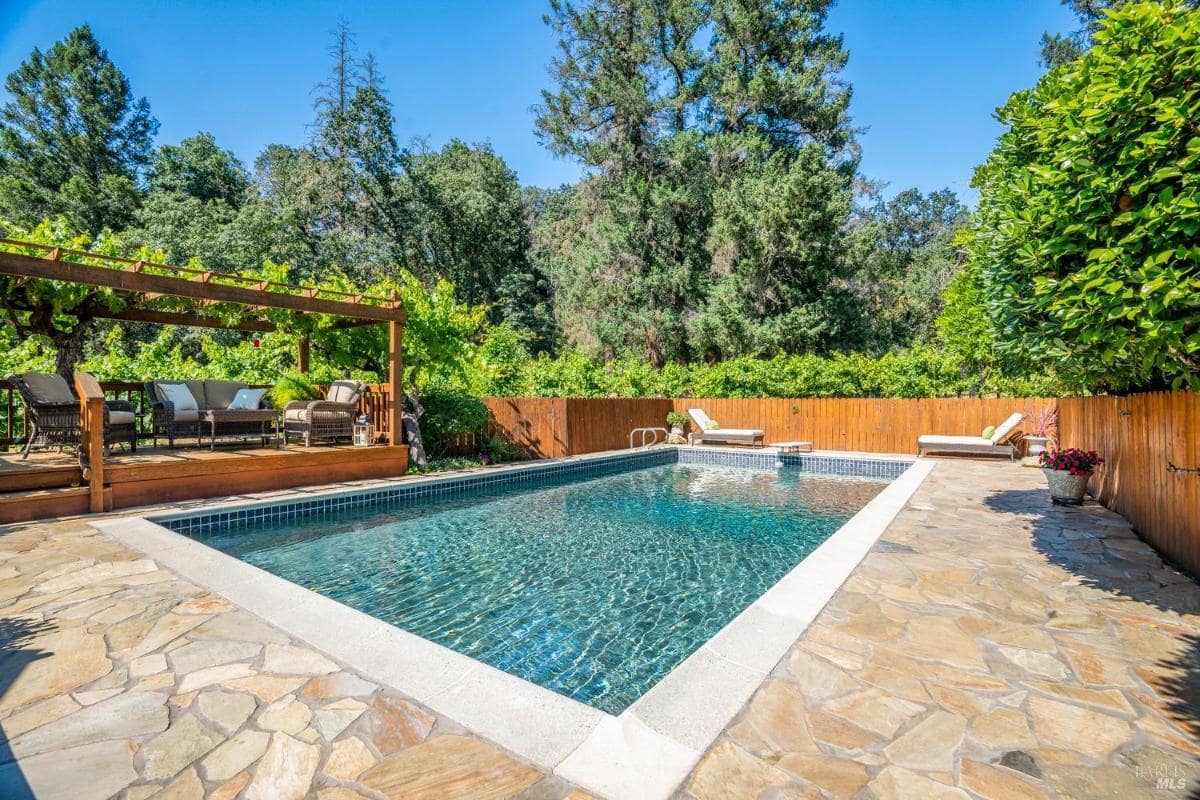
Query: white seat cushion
[[247, 399], [734, 432], [296, 415], [953, 441], [342, 392], [120, 417], [187, 415], [180, 396]]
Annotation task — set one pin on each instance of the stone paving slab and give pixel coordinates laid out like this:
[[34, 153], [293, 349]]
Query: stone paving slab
[[991, 645], [119, 679]]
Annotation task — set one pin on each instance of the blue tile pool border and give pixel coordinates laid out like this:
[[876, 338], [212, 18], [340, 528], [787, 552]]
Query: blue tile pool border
[[529, 475]]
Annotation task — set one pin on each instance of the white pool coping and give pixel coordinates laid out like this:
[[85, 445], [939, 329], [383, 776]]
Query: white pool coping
[[646, 751]]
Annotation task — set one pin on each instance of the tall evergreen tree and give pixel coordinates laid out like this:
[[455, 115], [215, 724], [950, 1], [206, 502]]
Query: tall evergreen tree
[[720, 177], [73, 139]]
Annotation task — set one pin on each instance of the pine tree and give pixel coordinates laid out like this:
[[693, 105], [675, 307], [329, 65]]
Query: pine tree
[[721, 177], [73, 140]]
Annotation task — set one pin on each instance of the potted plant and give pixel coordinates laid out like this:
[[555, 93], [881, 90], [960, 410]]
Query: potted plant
[[1041, 421], [1067, 472], [676, 421]]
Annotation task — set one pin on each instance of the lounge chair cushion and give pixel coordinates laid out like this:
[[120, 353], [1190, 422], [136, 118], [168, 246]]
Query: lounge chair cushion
[[49, 389], [1007, 426], [707, 425], [120, 417], [179, 395], [931, 440], [738, 432], [219, 394], [343, 392], [295, 415], [247, 399]]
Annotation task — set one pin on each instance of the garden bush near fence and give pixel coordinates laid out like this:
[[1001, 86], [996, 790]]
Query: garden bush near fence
[[919, 372]]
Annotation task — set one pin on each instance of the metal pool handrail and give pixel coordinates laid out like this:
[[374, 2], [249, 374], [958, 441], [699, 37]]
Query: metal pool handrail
[[643, 432]]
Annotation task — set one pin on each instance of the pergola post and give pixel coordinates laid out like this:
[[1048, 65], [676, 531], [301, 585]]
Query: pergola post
[[302, 360], [395, 382], [91, 419]]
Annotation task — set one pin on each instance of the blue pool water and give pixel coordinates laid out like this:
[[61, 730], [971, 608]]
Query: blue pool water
[[592, 588]]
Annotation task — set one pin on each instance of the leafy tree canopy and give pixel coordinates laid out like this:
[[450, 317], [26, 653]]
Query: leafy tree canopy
[[1089, 210]]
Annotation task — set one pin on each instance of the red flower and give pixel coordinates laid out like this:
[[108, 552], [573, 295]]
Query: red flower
[[1072, 460]]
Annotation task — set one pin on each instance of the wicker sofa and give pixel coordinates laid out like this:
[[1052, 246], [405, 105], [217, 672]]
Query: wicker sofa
[[328, 420], [172, 423], [54, 414]]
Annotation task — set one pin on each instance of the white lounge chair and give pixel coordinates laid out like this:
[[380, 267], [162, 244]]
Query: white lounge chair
[[975, 445], [708, 432]]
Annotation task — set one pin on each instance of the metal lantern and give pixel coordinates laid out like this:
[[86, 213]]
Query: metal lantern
[[364, 434]]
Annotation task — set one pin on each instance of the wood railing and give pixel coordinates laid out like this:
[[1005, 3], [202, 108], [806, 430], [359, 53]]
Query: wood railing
[[91, 439], [15, 423]]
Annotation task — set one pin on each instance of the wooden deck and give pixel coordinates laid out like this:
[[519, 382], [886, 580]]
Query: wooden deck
[[50, 483]]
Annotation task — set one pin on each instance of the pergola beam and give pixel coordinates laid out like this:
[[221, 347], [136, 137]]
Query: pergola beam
[[189, 320], [142, 282]]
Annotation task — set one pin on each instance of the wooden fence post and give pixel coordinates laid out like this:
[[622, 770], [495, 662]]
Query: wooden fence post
[[91, 442]]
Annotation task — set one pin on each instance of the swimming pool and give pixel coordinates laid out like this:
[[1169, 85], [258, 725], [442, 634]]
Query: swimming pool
[[592, 584], [648, 749]]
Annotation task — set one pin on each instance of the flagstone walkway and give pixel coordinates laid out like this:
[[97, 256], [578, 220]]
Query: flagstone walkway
[[990, 646]]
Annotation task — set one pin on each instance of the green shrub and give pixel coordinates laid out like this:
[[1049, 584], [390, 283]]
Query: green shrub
[[449, 413], [1089, 210], [919, 372], [292, 386], [500, 450]]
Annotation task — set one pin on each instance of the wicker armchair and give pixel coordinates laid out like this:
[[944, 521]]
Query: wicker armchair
[[54, 414], [328, 420]]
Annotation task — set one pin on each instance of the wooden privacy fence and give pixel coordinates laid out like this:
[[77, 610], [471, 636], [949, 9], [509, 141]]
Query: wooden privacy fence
[[1151, 476], [563, 426], [863, 424]]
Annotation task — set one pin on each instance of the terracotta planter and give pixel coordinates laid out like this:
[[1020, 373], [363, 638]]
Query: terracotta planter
[[1066, 488]]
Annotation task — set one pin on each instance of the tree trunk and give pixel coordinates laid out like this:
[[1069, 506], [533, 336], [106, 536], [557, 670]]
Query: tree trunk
[[70, 351], [412, 426]]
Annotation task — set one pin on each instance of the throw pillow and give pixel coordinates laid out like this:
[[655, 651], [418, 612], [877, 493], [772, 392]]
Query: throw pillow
[[247, 399], [988, 431], [180, 396], [711, 425]]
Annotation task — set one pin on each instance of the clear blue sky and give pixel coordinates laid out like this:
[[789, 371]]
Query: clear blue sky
[[927, 74]]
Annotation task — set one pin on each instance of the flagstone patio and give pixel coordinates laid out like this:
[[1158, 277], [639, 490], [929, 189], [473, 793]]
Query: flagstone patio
[[989, 646]]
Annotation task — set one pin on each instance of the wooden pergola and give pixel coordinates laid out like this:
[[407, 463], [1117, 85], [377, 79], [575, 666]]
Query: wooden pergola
[[140, 286]]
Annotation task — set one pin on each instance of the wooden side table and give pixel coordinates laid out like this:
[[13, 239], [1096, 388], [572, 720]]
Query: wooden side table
[[793, 447]]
